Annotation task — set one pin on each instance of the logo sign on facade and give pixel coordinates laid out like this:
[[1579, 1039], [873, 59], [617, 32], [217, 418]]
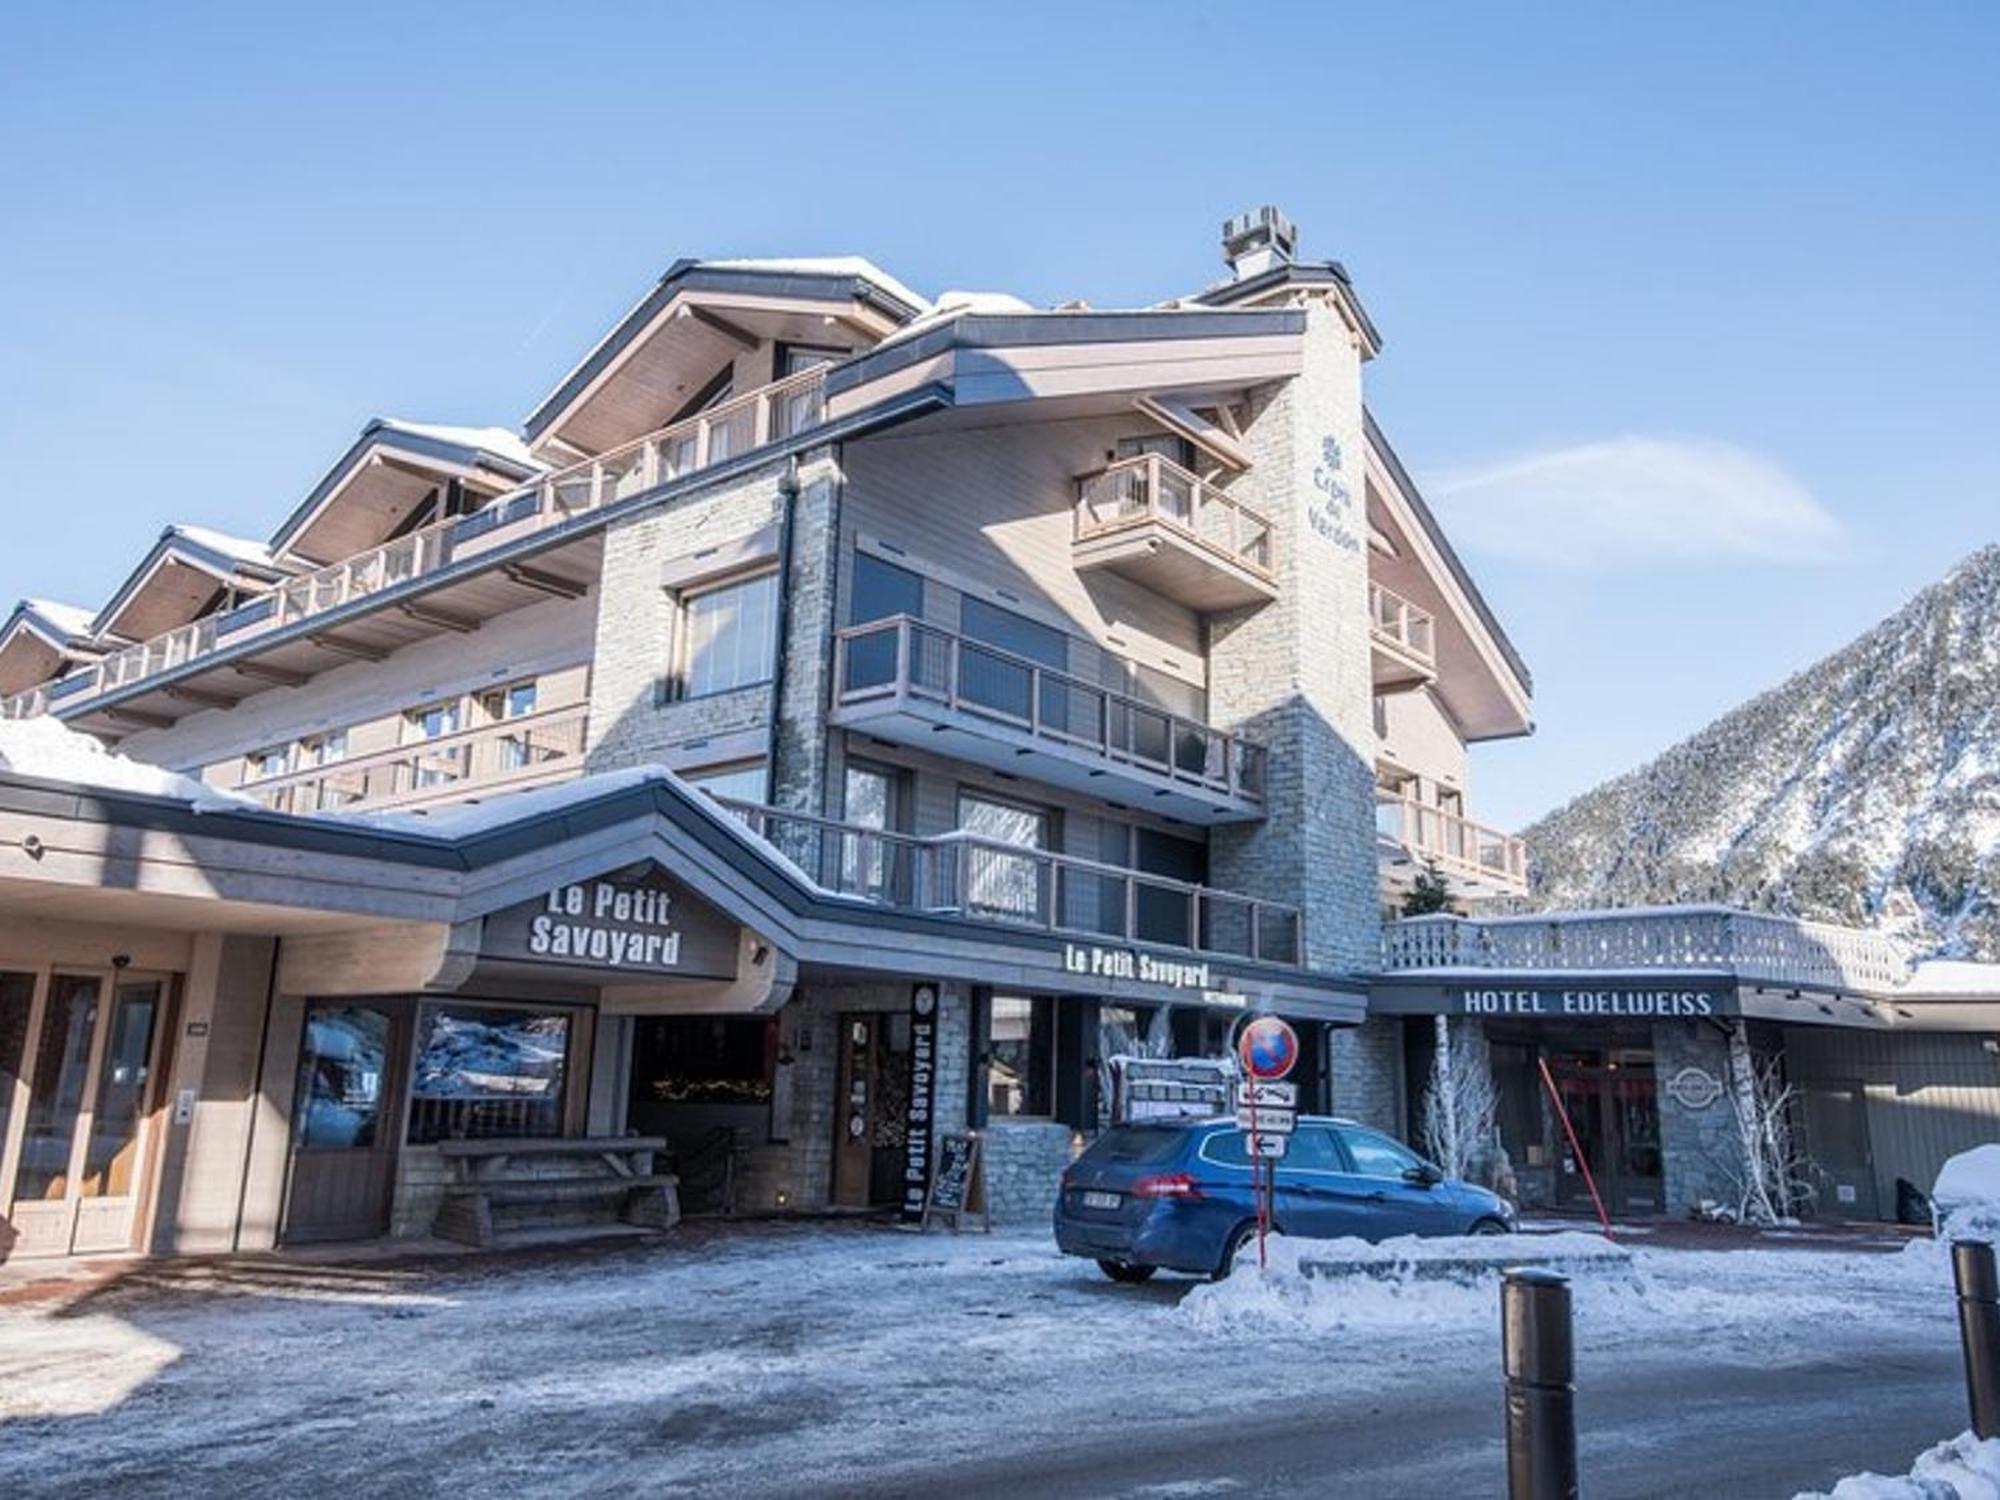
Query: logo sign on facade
[[1329, 517], [923, 1098], [647, 924], [1694, 1088], [1267, 1048], [1597, 1003], [1129, 963]]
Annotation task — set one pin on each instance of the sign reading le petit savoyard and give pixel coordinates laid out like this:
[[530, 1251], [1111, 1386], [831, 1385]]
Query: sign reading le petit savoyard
[[1129, 963], [648, 924]]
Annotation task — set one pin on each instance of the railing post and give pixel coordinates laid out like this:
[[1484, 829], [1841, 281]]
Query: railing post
[[903, 656], [760, 419], [1978, 1283], [1538, 1357]]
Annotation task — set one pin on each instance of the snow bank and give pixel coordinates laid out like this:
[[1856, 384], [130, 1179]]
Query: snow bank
[[1969, 1177], [48, 748], [1966, 1468], [1321, 1286]]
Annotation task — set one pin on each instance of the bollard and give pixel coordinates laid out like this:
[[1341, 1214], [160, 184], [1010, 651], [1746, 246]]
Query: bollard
[[1540, 1364], [1979, 1331]]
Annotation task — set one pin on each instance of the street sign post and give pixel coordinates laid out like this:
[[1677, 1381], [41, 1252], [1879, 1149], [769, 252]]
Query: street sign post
[[1267, 1049]]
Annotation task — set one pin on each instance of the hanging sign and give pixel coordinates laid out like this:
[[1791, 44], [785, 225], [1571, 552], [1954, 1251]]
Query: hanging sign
[[923, 1097]]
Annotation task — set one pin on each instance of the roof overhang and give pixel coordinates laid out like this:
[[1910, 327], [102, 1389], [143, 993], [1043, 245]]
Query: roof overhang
[[35, 646], [162, 860], [1327, 277], [656, 358], [1482, 681], [171, 584], [371, 487]]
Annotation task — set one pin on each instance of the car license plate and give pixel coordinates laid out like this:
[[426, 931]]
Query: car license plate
[[1101, 1200]]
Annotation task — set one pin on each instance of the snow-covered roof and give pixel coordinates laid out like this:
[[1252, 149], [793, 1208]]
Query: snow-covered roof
[[1952, 977], [830, 265], [72, 619], [47, 748], [243, 549], [502, 442], [956, 304]]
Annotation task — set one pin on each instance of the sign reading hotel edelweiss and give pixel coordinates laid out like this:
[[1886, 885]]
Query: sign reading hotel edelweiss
[[647, 925]]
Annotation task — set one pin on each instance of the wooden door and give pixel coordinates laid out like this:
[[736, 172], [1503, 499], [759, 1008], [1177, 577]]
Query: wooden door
[[346, 1123], [77, 1170]]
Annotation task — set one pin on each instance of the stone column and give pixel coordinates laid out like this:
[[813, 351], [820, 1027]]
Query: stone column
[[1701, 1150]]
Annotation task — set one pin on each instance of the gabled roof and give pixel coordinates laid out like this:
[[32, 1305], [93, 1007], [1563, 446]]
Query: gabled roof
[[226, 559], [490, 450], [64, 626], [830, 279], [1324, 273]]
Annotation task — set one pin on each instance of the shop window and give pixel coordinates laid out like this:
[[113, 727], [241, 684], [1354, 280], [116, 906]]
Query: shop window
[[1021, 1056], [343, 1066], [702, 1060], [729, 636], [488, 1071]]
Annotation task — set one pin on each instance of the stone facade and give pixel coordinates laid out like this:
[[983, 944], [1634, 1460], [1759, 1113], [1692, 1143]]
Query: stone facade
[[1024, 1163], [1365, 1070], [1701, 1150]]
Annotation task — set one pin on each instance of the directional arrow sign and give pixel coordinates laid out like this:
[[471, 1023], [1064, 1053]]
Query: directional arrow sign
[[1267, 1095], [1266, 1121], [1269, 1145]]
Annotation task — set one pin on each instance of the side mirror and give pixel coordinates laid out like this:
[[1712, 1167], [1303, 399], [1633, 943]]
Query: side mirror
[[1424, 1175]]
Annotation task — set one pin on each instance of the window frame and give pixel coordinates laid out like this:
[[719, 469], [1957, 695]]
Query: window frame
[[690, 599], [1041, 1031]]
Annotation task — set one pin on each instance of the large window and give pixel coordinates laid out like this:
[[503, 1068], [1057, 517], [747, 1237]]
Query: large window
[[702, 1060], [997, 881], [343, 1079], [1005, 685], [871, 866], [488, 1071], [746, 781], [729, 636], [1021, 1055], [881, 592]]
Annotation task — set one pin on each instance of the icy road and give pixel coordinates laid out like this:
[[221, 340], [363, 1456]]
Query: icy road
[[814, 1361]]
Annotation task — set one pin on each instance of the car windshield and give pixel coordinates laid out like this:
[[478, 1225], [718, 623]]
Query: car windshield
[[1134, 1145]]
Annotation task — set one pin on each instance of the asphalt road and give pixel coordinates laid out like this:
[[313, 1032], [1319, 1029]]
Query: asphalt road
[[1672, 1430]]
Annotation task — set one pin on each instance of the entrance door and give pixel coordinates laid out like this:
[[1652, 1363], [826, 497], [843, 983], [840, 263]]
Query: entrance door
[[1837, 1132], [345, 1123], [1613, 1106], [77, 1176], [873, 1113]]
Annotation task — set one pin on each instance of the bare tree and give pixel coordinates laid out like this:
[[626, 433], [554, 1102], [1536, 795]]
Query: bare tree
[[1773, 1173], [1460, 1106]]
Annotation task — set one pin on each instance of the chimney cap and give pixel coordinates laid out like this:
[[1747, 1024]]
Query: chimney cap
[[1267, 225]]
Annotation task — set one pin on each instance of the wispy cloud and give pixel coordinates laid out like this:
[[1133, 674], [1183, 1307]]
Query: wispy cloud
[[1637, 499]]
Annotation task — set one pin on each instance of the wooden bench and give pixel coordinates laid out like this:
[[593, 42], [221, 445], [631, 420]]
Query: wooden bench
[[486, 1173]]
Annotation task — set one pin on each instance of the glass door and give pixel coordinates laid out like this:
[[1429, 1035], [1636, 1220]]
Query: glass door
[[345, 1130], [77, 1173]]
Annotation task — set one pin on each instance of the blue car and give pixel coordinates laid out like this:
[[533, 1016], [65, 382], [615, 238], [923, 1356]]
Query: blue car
[[1176, 1195]]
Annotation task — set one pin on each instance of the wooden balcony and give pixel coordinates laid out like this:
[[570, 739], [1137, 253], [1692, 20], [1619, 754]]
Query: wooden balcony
[[1402, 641], [1480, 862], [508, 755], [1150, 520], [981, 880], [449, 576], [912, 683]]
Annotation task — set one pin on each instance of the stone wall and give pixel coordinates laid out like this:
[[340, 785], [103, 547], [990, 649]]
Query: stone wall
[[1701, 1151], [1024, 1162], [1365, 1067]]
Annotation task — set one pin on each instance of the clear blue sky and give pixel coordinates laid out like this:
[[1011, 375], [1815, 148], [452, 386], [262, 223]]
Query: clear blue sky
[[1690, 311]]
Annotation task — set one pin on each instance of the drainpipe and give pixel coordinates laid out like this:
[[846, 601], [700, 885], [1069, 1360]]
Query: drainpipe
[[789, 488]]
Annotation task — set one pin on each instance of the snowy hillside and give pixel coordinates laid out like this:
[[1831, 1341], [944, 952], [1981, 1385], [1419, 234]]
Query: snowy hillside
[[1866, 790]]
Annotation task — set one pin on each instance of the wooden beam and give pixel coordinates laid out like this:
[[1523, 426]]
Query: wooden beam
[[133, 716], [259, 671], [201, 699], [424, 614], [544, 581], [326, 640], [715, 322]]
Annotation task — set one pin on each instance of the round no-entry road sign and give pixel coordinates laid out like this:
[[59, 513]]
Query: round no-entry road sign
[[1268, 1048]]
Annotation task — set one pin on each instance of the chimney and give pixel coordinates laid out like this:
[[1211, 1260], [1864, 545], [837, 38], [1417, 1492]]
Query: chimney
[[1258, 241]]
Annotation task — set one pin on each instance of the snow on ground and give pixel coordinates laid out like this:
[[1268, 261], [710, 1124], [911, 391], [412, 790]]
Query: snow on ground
[[1963, 1469], [793, 1359]]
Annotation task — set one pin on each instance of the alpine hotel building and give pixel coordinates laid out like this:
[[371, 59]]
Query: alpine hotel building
[[1039, 685]]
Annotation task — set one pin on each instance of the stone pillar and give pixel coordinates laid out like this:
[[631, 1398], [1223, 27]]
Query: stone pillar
[[1295, 674], [805, 686], [1365, 1063], [1701, 1150]]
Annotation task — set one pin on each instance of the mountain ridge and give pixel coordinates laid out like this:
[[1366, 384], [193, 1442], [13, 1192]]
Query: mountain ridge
[[1864, 789]]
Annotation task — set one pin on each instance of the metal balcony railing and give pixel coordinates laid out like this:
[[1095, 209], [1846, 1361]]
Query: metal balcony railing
[[1150, 488], [1402, 626], [977, 879], [770, 414], [529, 748], [1757, 947], [1456, 844], [901, 659]]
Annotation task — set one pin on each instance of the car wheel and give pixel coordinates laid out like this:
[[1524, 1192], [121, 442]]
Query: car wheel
[[1118, 1271], [1238, 1237], [1489, 1226]]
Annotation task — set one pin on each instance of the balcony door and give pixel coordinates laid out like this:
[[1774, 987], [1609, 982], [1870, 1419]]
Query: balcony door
[[79, 1052]]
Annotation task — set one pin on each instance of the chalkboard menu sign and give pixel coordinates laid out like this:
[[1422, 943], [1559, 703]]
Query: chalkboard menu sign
[[956, 1184]]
